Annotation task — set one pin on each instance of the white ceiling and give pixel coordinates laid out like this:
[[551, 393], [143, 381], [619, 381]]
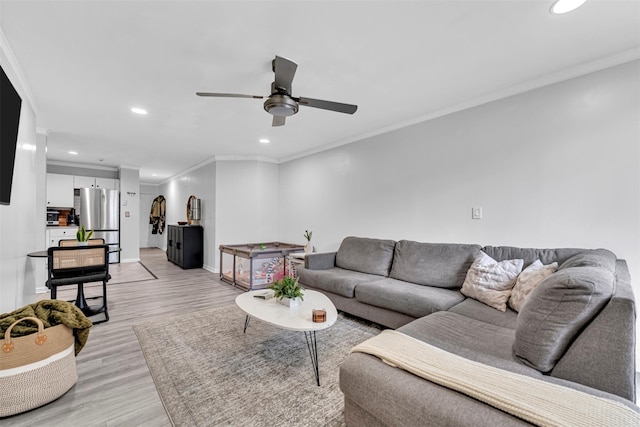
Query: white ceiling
[[88, 62]]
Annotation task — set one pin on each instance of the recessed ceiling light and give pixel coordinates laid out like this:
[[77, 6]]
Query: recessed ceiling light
[[140, 111], [73, 153], [564, 6], [154, 174], [264, 140]]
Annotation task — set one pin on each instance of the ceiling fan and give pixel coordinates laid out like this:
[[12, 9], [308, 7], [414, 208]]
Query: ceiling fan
[[280, 103]]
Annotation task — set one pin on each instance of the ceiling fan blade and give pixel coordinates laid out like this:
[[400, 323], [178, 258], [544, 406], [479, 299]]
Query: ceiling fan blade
[[284, 70], [328, 105], [278, 121], [228, 95]]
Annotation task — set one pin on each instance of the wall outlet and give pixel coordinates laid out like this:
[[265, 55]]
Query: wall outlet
[[476, 212]]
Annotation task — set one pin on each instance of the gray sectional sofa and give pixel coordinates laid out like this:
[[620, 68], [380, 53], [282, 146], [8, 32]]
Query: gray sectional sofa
[[577, 327]]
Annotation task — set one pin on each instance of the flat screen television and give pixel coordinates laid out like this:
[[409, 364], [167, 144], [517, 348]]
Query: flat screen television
[[10, 103]]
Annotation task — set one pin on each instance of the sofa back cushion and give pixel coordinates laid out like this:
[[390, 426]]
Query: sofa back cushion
[[530, 255], [600, 258], [443, 265], [557, 310], [372, 256]]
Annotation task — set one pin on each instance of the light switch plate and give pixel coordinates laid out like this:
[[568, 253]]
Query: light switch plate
[[476, 212]]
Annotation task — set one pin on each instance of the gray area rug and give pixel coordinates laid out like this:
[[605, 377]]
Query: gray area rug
[[208, 372]]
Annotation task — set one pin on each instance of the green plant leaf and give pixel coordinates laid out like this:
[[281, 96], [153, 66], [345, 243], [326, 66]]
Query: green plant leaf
[[81, 234], [287, 287]]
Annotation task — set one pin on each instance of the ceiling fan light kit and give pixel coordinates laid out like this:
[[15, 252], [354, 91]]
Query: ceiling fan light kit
[[280, 104], [564, 6]]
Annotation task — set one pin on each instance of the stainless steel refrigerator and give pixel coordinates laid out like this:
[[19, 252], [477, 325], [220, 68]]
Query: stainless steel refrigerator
[[100, 212]]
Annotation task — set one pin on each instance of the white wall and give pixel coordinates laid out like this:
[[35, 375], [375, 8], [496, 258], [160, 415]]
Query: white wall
[[22, 221], [147, 194], [555, 167], [247, 203], [240, 203], [199, 182], [129, 214]]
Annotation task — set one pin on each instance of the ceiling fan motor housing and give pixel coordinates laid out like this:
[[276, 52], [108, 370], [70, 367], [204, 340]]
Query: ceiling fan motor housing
[[280, 105]]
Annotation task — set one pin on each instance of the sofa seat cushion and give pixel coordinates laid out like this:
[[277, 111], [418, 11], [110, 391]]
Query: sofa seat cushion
[[388, 396], [557, 310], [371, 256], [336, 280], [443, 265], [469, 338], [407, 298], [477, 310], [397, 397]]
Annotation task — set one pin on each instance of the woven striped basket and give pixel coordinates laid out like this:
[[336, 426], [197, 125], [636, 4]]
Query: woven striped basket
[[35, 369]]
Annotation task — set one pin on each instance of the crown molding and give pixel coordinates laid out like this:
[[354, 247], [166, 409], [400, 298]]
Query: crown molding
[[215, 159], [186, 171], [81, 165], [245, 158], [547, 80]]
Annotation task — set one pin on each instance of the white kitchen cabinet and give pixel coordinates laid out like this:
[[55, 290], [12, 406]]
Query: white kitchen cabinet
[[59, 191], [84, 182], [55, 234], [107, 183], [90, 182]]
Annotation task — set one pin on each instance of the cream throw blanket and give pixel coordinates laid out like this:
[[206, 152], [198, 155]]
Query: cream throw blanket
[[528, 398]]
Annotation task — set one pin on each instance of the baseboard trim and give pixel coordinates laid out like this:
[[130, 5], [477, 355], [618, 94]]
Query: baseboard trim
[[211, 269]]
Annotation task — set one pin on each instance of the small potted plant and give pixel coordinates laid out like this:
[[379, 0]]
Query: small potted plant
[[83, 236], [307, 235], [287, 291]]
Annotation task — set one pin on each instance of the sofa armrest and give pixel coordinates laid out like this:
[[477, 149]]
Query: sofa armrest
[[603, 356], [321, 261]]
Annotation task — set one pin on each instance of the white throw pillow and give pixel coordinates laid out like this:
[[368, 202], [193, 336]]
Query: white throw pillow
[[528, 280], [490, 281]]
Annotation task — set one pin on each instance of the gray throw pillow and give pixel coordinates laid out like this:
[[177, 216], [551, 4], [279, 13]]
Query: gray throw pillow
[[556, 311], [366, 255]]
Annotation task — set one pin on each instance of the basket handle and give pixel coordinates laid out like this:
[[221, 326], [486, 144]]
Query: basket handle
[[41, 338]]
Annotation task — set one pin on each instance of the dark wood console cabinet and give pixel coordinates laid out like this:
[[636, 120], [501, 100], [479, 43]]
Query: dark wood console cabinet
[[185, 245]]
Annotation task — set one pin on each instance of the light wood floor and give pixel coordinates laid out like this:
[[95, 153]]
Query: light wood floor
[[114, 386]]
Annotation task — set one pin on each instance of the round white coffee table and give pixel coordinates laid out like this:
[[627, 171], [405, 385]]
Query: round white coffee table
[[297, 318]]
